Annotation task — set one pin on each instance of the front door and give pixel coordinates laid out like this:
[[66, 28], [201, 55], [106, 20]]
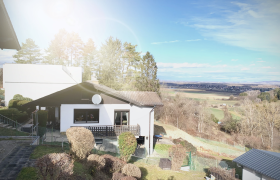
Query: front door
[[121, 118]]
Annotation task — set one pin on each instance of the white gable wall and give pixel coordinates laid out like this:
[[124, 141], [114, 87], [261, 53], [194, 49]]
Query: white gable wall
[[36, 80], [249, 174]]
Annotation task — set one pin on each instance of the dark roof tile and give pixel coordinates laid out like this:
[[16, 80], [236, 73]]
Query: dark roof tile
[[264, 162]]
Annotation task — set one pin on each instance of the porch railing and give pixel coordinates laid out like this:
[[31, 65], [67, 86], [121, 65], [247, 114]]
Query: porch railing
[[113, 130]]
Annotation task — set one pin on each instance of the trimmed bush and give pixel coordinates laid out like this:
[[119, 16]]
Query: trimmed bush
[[55, 166], [118, 176], [132, 170], [2, 97], [113, 164], [128, 178], [96, 161], [81, 141], [127, 145], [42, 118], [178, 154], [14, 114]]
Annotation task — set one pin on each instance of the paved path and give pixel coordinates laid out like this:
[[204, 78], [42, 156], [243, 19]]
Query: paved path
[[17, 159]]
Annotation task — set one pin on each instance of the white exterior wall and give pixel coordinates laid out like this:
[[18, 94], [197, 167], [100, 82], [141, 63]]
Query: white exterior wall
[[36, 80], [138, 115], [249, 174]]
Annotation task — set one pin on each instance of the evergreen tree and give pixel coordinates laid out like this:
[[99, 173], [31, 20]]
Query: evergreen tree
[[56, 52], [29, 53], [110, 55], [147, 77], [74, 49], [90, 62]]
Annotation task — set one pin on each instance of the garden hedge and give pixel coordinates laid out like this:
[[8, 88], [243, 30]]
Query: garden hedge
[[42, 118], [14, 114]]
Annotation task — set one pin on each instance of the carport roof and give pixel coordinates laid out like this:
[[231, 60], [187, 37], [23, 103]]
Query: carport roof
[[8, 38], [261, 161]]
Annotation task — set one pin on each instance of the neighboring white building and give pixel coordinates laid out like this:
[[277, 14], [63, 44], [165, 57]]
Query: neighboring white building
[[116, 112], [35, 80], [259, 165]]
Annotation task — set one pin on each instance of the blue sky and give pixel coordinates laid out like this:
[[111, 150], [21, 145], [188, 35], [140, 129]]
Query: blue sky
[[201, 40]]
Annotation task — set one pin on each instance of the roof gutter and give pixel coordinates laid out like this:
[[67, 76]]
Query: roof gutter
[[150, 130]]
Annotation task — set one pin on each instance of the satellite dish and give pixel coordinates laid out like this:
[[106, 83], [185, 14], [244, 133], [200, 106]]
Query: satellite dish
[[96, 99]]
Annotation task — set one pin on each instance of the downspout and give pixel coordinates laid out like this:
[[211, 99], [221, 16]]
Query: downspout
[[150, 129]]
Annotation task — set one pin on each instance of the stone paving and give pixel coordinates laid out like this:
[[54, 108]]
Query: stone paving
[[15, 161]]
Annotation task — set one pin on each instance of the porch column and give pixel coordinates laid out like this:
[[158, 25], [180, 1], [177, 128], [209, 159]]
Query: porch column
[[56, 114]]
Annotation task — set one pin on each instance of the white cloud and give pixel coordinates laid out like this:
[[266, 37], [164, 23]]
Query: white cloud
[[252, 64], [267, 67], [261, 61], [165, 42], [190, 40], [245, 69], [234, 60], [253, 26]]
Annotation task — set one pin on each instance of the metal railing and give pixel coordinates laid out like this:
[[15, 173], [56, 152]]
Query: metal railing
[[10, 122], [113, 130]]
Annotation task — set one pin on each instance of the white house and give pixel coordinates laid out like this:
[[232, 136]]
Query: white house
[[114, 112], [259, 165], [35, 80]]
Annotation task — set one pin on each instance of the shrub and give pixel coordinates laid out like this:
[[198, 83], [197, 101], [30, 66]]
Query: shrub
[[189, 147], [2, 97], [118, 176], [14, 114], [131, 170], [95, 161], [42, 118], [18, 97], [231, 97], [178, 154], [264, 96], [128, 178], [81, 141], [55, 166], [13, 104], [222, 173], [127, 145], [20, 103], [113, 164], [214, 119]]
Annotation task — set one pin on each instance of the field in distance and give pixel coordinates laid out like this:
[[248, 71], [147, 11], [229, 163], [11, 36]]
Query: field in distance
[[214, 98]]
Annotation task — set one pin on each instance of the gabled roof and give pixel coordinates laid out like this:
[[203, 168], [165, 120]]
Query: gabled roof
[[263, 162], [143, 97], [133, 97], [8, 38]]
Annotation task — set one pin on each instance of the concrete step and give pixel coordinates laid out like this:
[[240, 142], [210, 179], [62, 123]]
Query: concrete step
[[4, 125], [9, 127]]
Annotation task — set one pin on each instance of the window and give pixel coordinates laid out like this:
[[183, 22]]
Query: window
[[86, 116], [121, 117]]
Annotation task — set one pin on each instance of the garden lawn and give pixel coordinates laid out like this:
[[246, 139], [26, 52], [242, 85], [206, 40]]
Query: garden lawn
[[11, 132], [27, 173], [42, 150], [153, 172]]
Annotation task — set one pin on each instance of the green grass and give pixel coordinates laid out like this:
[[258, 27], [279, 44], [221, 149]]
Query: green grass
[[80, 170], [11, 132], [219, 114], [27, 173], [42, 150]]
